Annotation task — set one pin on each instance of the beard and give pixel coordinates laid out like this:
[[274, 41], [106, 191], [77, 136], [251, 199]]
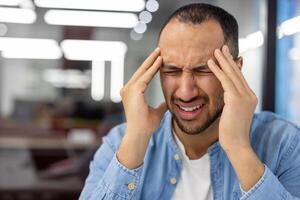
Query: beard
[[210, 119]]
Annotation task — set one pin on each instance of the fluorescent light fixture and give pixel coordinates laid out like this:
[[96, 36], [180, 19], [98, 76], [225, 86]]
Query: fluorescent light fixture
[[117, 79], [243, 46], [255, 39], [98, 52], [279, 32], [3, 29], [291, 26], [17, 15], [294, 54], [114, 5], [91, 18], [10, 2], [251, 41], [98, 73], [29, 48], [93, 49], [72, 79]]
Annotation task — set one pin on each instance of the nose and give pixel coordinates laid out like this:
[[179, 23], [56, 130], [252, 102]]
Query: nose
[[187, 87]]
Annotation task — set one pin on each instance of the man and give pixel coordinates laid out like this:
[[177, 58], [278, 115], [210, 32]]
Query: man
[[209, 145]]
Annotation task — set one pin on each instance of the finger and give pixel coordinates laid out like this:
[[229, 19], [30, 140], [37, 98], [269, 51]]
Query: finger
[[226, 82], [228, 70], [146, 64], [229, 58], [150, 73]]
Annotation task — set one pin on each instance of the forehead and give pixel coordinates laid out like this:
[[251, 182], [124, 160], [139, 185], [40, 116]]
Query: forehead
[[187, 44]]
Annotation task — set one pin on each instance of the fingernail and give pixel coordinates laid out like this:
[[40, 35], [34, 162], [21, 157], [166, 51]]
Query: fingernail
[[217, 51], [226, 48], [157, 49], [210, 61]]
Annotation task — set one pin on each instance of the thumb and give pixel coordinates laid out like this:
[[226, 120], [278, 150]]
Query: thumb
[[161, 109]]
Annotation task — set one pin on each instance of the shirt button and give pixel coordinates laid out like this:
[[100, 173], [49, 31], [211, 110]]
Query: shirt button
[[131, 186], [173, 181], [176, 157]]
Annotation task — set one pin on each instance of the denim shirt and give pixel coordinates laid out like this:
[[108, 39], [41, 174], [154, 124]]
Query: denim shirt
[[275, 141]]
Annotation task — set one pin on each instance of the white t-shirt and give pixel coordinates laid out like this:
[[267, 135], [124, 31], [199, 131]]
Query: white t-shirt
[[194, 183]]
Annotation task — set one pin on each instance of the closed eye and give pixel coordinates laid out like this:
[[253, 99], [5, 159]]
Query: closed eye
[[202, 70], [172, 72], [175, 71]]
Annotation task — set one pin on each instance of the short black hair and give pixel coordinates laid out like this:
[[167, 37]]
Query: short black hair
[[200, 12]]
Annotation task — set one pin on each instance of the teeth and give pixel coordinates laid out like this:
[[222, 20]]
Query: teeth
[[190, 109]]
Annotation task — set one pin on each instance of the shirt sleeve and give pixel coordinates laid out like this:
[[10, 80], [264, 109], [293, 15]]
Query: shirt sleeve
[[108, 178], [282, 186]]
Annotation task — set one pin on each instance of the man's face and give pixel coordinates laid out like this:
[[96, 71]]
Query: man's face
[[193, 94]]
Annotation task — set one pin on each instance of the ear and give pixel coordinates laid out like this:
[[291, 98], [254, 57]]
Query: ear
[[239, 62]]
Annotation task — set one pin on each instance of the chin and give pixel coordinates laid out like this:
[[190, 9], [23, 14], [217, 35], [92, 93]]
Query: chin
[[194, 127]]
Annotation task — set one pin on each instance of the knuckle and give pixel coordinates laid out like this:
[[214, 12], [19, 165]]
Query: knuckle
[[255, 99], [122, 92]]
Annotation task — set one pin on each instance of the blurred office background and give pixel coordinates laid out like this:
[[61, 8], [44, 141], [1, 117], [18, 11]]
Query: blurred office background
[[63, 63]]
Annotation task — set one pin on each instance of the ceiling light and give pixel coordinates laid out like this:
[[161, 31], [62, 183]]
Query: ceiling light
[[255, 39], [93, 50], [291, 26], [152, 5], [17, 15], [251, 41], [29, 48], [3, 29], [141, 27], [116, 80], [145, 16], [98, 52], [294, 54], [243, 46], [10, 2], [91, 18], [97, 86], [115, 5]]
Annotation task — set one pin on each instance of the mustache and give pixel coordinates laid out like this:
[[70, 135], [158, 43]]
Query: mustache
[[178, 100]]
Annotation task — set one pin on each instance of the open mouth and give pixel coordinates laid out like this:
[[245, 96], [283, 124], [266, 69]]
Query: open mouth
[[189, 112], [190, 109]]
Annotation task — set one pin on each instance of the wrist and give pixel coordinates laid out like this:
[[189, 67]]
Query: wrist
[[247, 165], [237, 148], [135, 133], [132, 149]]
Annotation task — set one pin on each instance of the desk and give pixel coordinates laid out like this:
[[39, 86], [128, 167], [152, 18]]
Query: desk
[[43, 189], [22, 158], [57, 142]]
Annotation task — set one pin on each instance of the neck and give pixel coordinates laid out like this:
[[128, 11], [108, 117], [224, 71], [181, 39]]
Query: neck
[[197, 145]]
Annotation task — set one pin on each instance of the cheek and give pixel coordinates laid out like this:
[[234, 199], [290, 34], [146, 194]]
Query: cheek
[[211, 86], [168, 85]]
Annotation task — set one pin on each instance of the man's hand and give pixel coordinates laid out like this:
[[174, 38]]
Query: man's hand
[[235, 122], [142, 120], [240, 102], [140, 117]]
